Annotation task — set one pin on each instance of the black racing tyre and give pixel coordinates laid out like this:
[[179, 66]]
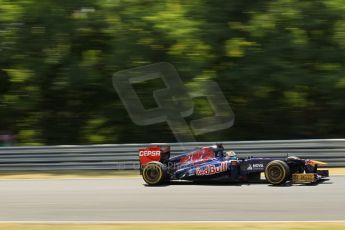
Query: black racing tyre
[[155, 173], [277, 172]]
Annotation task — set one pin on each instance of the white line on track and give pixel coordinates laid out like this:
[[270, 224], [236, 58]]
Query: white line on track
[[169, 222]]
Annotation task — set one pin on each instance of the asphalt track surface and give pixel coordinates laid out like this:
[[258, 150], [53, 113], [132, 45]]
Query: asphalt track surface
[[128, 199]]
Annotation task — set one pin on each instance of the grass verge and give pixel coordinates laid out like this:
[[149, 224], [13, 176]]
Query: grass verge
[[69, 174], [143, 226]]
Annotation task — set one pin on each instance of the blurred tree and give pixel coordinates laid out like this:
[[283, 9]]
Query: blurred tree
[[280, 63], [4, 82]]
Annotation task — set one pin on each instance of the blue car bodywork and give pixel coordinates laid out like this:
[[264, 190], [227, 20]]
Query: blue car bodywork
[[213, 164]]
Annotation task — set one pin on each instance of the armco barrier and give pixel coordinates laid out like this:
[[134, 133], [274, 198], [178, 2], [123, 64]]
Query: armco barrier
[[125, 156]]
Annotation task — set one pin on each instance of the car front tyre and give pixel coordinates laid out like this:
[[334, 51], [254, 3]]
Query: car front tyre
[[277, 172]]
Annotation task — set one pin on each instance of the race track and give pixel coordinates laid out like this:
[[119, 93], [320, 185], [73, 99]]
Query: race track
[[128, 199]]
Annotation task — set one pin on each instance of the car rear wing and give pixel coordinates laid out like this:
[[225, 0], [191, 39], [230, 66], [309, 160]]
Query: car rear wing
[[154, 153]]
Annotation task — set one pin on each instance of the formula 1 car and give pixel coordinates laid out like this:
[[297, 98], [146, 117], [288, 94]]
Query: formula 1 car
[[213, 163]]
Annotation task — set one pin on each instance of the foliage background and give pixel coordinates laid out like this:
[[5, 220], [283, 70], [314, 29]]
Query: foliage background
[[280, 64]]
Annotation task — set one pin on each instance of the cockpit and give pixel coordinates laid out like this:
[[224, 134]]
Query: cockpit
[[219, 151]]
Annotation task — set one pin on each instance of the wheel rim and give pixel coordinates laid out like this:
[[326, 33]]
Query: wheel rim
[[152, 174], [275, 173]]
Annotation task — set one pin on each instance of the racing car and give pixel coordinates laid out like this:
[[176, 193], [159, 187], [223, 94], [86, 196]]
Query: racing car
[[213, 163]]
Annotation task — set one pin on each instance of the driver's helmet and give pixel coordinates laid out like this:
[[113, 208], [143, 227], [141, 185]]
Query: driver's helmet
[[230, 154], [218, 150], [219, 145]]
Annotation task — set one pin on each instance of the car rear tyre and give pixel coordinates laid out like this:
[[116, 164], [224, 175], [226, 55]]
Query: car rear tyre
[[155, 173], [277, 172]]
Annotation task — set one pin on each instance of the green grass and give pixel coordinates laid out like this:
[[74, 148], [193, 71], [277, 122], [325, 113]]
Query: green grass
[[205, 226], [69, 174]]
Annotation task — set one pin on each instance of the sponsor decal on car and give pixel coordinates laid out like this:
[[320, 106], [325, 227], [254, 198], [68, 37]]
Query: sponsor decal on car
[[198, 156], [258, 165], [145, 153], [212, 169], [255, 166]]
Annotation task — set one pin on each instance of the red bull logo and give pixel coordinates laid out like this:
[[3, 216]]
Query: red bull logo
[[212, 169]]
